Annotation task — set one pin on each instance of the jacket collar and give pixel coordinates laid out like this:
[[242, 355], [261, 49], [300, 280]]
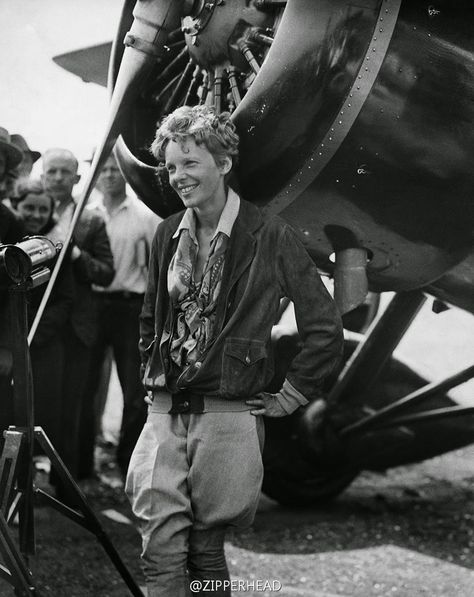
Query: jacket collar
[[239, 255], [249, 218], [226, 221]]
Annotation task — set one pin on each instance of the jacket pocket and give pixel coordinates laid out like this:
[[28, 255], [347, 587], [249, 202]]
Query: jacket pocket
[[243, 367]]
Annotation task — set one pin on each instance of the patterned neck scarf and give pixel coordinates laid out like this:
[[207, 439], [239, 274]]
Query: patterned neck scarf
[[194, 302]]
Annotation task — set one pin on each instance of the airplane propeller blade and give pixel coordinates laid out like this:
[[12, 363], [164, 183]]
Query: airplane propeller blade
[[144, 47]]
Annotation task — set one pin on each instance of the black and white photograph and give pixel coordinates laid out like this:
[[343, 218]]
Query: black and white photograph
[[237, 298]]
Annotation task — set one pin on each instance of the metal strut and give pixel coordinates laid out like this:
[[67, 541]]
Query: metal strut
[[383, 336], [430, 415], [379, 418]]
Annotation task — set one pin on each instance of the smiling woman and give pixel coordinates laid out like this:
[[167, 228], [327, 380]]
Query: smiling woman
[[217, 274], [35, 206]]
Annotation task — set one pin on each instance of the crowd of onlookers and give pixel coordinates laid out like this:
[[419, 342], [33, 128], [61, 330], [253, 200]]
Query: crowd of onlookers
[[93, 308]]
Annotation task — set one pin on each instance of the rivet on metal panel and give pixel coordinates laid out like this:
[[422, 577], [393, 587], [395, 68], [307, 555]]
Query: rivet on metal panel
[[368, 74]]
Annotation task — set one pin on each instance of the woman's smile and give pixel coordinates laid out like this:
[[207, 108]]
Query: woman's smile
[[195, 175]]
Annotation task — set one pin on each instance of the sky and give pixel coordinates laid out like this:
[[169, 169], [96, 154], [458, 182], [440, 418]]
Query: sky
[[47, 105]]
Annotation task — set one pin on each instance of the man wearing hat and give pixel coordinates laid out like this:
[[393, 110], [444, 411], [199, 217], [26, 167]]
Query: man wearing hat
[[10, 158], [11, 231], [29, 156]]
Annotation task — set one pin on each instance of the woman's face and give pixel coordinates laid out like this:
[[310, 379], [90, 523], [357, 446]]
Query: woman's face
[[195, 176], [35, 211]]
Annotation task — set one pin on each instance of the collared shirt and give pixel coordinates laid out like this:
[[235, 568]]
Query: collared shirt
[[196, 302], [59, 232], [226, 221], [131, 228], [66, 216]]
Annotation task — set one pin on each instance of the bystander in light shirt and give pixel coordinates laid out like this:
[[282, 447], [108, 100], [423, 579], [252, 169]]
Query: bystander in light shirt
[[130, 228]]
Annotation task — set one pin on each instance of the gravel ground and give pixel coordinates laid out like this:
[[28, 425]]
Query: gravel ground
[[407, 533]]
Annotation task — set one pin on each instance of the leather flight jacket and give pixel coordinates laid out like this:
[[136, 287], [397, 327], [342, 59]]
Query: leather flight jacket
[[265, 261]]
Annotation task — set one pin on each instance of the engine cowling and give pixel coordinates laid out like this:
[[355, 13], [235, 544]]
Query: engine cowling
[[353, 118]]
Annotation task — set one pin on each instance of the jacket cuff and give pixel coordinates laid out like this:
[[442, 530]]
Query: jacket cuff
[[289, 398]]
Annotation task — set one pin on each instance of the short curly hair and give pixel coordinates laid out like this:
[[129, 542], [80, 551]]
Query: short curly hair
[[216, 132]]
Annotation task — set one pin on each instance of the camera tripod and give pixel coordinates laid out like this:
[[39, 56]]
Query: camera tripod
[[16, 467]]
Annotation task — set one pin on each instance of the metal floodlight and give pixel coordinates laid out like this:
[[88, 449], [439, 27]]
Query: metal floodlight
[[26, 259]]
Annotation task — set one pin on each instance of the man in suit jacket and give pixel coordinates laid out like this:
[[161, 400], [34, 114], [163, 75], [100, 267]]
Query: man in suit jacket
[[92, 264]]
